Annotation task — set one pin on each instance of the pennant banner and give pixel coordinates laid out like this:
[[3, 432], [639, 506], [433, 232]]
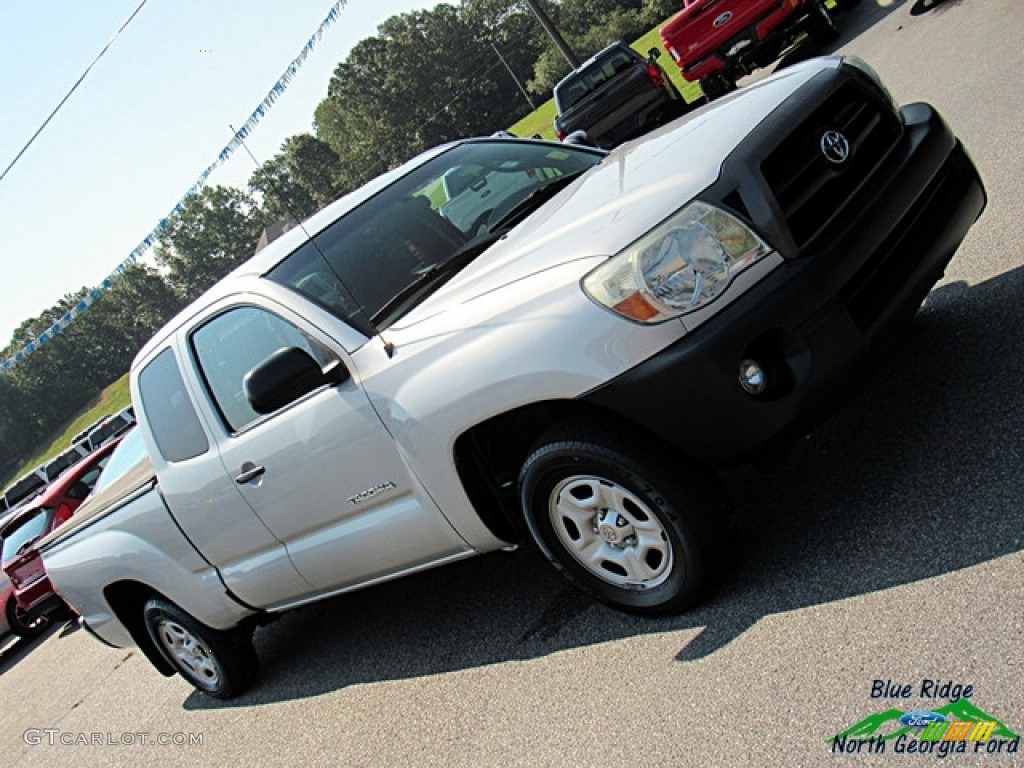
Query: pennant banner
[[222, 157]]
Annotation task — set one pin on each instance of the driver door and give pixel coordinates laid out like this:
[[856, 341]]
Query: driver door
[[322, 472]]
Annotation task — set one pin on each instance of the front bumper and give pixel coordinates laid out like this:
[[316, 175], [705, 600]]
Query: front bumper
[[94, 634], [818, 320]]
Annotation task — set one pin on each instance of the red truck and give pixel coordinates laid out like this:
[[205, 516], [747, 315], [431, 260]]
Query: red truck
[[716, 42]]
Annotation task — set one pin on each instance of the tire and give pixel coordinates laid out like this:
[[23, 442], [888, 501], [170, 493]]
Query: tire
[[23, 625], [821, 27], [220, 664], [717, 85], [629, 524]]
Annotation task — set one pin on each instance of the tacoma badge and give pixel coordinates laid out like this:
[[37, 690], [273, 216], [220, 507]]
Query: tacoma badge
[[369, 493]]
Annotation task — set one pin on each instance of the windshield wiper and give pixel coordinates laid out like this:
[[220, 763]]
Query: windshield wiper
[[436, 274], [533, 201], [471, 249]]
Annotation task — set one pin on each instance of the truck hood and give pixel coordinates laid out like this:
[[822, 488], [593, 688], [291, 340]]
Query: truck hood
[[634, 188]]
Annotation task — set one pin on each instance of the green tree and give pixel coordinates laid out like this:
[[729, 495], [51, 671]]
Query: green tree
[[213, 232], [313, 165], [657, 11], [298, 181], [427, 77], [282, 198], [47, 388], [588, 26]]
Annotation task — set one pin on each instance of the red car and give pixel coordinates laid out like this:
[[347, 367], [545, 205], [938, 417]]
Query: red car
[[21, 561], [13, 620]]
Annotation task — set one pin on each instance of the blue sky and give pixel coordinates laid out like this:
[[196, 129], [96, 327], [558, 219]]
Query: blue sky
[[149, 118]]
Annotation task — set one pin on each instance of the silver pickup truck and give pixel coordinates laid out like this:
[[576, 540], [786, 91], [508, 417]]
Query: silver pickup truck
[[382, 390]]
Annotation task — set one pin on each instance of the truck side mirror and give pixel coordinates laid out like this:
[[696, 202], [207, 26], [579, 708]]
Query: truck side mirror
[[287, 375], [654, 54]]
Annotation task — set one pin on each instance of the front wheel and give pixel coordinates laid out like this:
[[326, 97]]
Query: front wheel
[[634, 527], [222, 664]]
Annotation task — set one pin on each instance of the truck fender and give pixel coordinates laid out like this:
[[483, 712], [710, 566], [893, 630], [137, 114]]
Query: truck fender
[[88, 577]]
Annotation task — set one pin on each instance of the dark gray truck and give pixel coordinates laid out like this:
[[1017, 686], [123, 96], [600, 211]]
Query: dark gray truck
[[616, 95]]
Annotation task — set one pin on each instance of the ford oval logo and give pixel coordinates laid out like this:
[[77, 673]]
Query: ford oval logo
[[921, 718], [722, 20], [835, 147]]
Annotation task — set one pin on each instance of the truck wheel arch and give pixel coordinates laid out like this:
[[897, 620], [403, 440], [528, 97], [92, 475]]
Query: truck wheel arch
[[126, 600], [624, 517], [490, 455]]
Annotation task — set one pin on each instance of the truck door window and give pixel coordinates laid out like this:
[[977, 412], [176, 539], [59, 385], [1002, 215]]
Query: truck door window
[[232, 344], [172, 418]]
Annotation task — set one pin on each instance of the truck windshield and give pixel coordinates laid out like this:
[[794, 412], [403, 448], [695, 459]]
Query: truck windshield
[[591, 78], [375, 251]]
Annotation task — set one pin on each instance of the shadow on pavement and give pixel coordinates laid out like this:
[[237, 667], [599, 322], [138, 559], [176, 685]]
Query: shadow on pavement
[[925, 6], [917, 477], [15, 649]]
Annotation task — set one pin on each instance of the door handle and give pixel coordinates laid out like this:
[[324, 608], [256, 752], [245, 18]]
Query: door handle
[[249, 472]]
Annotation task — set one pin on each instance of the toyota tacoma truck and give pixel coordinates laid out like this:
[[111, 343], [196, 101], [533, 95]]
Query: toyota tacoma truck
[[615, 95], [380, 391], [715, 42]]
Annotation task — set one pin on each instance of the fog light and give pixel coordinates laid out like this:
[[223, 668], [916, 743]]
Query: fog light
[[752, 377]]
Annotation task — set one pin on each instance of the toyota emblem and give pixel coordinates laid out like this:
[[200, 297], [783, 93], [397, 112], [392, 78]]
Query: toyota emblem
[[722, 20], [835, 147]]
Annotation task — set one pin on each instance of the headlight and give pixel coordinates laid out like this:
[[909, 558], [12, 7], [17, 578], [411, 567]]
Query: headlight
[[679, 266]]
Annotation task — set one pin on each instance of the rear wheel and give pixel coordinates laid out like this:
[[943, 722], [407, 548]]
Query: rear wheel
[[222, 664], [23, 624], [820, 25], [717, 85], [631, 525]]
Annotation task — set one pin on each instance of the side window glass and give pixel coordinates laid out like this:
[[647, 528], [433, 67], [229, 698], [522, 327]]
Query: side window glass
[[172, 418], [232, 344]]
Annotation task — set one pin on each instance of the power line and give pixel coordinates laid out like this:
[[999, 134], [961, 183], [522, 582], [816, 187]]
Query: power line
[[73, 88]]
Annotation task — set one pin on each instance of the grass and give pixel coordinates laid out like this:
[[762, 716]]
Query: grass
[[110, 400], [434, 192], [540, 121]]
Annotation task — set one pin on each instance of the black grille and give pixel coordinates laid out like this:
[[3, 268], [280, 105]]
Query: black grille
[[809, 189]]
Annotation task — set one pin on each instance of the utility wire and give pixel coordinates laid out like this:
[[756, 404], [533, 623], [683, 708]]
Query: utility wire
[[73, 88]]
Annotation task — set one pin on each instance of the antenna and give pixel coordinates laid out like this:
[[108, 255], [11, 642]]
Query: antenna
[[273, 185], [389, 347]]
